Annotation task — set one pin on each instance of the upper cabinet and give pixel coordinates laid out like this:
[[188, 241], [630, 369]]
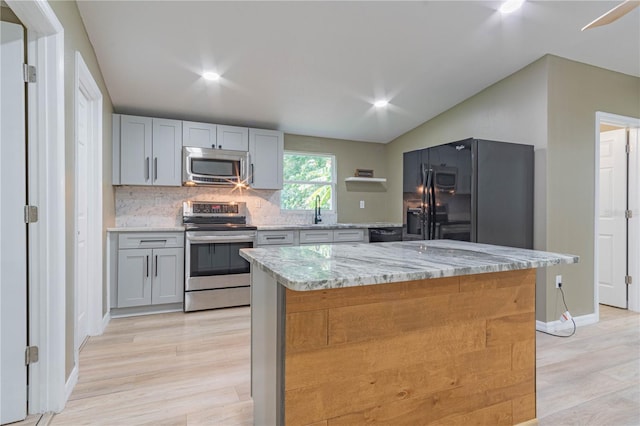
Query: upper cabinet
[[233, 138], [199, 135], [147, 151], [205, 135], [266, 151]]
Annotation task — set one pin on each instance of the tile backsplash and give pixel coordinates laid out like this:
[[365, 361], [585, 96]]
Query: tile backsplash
[[162, 206]]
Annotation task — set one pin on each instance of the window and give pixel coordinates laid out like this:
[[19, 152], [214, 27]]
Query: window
[[306, 177]]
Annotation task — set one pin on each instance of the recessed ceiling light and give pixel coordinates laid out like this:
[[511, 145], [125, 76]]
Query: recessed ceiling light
[[381, 103], [511, 6], [209, 75]]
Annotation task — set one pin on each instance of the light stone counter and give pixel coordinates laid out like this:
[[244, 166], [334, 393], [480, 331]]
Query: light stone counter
[[285, 227], [147, 229], [317, 267]]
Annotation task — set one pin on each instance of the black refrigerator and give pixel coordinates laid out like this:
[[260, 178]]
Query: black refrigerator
[[471, 190]]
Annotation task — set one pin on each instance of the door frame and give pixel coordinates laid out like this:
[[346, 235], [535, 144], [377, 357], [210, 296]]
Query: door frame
[[633, 230], [46, 182], [85, 83]]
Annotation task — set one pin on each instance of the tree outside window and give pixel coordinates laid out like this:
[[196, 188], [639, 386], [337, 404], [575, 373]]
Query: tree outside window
[[307, 176]]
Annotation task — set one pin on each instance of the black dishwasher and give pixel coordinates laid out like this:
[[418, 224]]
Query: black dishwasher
[[383, 235]]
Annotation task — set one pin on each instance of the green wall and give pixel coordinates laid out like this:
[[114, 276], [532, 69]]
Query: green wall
[[512, 110], [350, 156], [551, 104], [76, 39], [576, 92]]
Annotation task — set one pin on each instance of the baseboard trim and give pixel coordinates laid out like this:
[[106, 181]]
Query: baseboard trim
[[70, 385], [558, 325], [105, 321]]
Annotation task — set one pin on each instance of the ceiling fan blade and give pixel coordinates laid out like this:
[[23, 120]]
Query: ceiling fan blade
[[614, 14]]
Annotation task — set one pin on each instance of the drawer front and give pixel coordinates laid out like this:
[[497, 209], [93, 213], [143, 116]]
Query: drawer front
[[135, 240], [348, 235], [316, 236], [282, 238]]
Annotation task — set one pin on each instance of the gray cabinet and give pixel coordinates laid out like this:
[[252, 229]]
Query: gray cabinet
[[150, 269], [316, 236], [199, 135], [294, 237], [348, 236], [217, 136], [146, 151], [266, 150], [233, 138], [331, 236], [134, 283], [277, 238]]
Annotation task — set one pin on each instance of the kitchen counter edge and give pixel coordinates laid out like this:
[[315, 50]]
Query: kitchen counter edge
[[294, 227], [321, 267], [147, 229]]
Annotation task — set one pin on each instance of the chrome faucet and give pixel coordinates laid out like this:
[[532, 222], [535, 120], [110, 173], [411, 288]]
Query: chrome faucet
[[316, 215]]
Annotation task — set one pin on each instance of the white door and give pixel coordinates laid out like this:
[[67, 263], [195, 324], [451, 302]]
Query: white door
[[612, 238], [13, 232], [83, 138]]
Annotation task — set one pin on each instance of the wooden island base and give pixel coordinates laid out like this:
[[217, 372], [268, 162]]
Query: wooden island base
[[457, 350]]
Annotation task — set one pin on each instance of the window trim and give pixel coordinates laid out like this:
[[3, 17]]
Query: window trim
[[333, 182]]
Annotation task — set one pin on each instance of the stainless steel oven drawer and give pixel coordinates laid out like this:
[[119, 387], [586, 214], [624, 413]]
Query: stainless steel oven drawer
[[213, 299], [217, 281]]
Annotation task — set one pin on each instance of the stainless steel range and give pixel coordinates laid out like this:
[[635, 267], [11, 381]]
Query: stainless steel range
[[215, 274]]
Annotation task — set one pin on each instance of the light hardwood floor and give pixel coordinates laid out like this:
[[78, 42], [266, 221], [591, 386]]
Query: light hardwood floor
[[592, 378], [177, 369]]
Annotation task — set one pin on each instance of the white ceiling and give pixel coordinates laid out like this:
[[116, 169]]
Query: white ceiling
[[314, 68]]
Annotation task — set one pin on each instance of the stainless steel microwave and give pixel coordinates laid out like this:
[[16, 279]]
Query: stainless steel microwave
[[209, 166]]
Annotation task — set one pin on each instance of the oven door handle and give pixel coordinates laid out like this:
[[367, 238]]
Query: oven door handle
[[221, 239]]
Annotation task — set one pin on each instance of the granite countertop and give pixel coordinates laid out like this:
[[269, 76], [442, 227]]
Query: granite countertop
[[286, 227], [147, 229], [318, 267]]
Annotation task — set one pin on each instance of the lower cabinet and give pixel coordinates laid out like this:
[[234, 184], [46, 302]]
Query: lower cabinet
[[150, 276], [150, 269], [327, 236], [311, 236]]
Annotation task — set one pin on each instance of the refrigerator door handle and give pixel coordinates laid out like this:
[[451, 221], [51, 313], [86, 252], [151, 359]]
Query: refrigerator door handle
[[432, 191], [429, 207]]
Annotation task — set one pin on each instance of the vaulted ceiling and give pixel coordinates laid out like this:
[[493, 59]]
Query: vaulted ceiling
[[315, 68]]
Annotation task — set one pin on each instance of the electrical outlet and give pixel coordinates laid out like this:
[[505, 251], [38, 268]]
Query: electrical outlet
[[558, 281], [362, 204]]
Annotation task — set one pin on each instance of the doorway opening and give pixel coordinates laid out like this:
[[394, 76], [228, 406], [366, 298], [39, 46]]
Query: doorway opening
[[617, 204], [88, 206]]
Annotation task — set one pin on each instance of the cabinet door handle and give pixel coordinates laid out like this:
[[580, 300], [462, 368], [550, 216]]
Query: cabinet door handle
[[155, 168], [156, 263], [279, 237], [146, 170], [147, 266], [153, 241], [251, 172]]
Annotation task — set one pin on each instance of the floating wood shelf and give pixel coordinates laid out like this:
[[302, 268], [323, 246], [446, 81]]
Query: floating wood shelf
[[365, 179]]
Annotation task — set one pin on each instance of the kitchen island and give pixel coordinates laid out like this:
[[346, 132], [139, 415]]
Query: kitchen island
[[399, 333]]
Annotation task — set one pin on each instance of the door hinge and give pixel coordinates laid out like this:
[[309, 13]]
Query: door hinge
[[31, 355], [30, 214], [29, 73], [628, 280], [628, 214]]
